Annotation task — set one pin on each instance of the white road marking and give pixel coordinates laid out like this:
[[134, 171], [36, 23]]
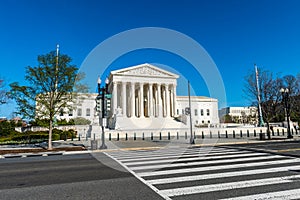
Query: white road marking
[[220, 175], [164, 156], [204, 162], [165, 160], [227, 186], [281, 195], [201, 169]]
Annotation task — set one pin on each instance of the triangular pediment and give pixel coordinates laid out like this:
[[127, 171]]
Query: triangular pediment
[[146, 70]]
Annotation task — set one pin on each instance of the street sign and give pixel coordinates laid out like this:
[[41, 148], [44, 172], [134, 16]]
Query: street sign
[[108, 96]]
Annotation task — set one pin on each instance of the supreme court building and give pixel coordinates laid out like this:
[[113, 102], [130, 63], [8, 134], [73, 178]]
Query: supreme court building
[[144, 97]]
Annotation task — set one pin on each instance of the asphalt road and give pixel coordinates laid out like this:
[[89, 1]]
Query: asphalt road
[[82, 176]]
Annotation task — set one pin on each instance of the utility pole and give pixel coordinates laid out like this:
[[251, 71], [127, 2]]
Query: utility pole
[[192, 140]]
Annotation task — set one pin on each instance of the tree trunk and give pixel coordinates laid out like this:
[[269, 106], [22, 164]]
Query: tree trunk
[[50, 136]]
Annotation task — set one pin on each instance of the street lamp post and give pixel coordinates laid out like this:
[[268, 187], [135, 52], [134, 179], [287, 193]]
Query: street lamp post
[[101, 95], [286, 99]]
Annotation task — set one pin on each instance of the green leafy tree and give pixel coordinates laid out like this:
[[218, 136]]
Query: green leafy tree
[[52, 85]]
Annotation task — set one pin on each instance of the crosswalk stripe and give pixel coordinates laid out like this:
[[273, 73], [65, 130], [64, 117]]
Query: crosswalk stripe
[[220, 175], [150, 157], [203, 162], [281, 195], [191, 159], [227, 186], [164, 152], [201, 169]]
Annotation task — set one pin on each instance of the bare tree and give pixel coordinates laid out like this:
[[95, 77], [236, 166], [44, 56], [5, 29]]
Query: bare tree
[[3, 93]]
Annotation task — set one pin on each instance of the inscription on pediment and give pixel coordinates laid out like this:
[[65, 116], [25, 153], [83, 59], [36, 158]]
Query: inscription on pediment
[[146, 71]]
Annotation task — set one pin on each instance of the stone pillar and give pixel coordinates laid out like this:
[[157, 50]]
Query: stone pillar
[[124, 99], [115, 96], [150, 100], [132, 96], [168, 103], [141, 99], [164, 102], [174, 100], [158, 106]]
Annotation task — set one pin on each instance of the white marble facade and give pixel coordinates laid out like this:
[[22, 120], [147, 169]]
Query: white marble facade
[[143, 91], [144, 96]]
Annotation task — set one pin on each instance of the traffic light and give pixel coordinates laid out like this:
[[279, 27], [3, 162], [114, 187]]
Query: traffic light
[[98, 103], [187, 111], [107, 104]]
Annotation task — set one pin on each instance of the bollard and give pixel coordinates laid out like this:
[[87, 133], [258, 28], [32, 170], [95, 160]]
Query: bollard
[[168, 135], [241, 133], [233, 134], [248, 135], [79, 137], [143, 137], [94, 144], [177, 136], [86, 137], [296, 131], [292, 131], [202, 135], [254, 133], [185, 135], [134, 136], [262, 136], [159, 135], [118, 137], [126, 136], [94, 136], [109, 137], [210, 134], [282, 132], [72, 136], [194, 135], [226, 134], [278, 132], [218, 134], [151, 136]]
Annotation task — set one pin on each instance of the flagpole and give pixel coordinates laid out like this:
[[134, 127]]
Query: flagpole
[[261, 120]]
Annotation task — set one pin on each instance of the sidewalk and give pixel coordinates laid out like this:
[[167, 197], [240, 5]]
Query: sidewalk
[[84, 146], [140, 144]]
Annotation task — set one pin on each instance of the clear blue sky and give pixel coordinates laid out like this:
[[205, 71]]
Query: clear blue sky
[[235, 33]]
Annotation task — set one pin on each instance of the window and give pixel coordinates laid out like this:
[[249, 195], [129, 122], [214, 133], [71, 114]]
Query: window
[[202, 121], [202, 113], [79, 112], [207, 112], [88, 112], [196, 112], [70, 113], [208, 121]]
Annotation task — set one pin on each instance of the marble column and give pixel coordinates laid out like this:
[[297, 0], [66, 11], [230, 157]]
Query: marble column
[[141, 99], [124, 99], [132, 99], [164, 101], [159, 106], [174, 100], [150, 100], [115, 96], [168, 103]]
